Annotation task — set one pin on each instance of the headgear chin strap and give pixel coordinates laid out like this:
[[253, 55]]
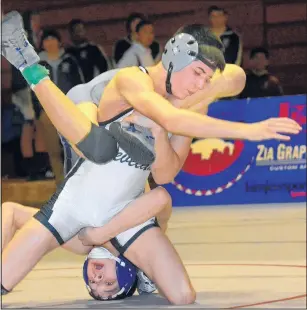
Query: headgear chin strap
[[179, 52], [168, 78]]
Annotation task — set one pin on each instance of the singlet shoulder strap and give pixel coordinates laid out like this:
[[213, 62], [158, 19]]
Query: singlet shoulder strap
[[138, 60], [143, 69]]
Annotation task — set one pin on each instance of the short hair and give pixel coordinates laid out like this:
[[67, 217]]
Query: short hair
[[210, 46], [49, 32], [141, 24], [73, 23], [213, 8], [131, 18], [118, 297], [259, 50]]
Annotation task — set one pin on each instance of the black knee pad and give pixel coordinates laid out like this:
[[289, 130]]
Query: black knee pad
[[99, 146]]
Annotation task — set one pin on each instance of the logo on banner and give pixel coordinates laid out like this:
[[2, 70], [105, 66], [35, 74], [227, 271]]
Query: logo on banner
[[221, 163], [295, 189], [285, 157], [294, 111]]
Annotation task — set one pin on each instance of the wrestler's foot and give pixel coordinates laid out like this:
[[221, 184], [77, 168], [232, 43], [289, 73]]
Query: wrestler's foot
[[144, 285], [136, 141], [15, 46]]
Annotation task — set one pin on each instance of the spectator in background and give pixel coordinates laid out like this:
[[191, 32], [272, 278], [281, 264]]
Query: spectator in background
[[122, 45], [65, 73], [259, 82], [22, 99], [218, 19], [33, 163], [64, 69], [91, 57], [12, 122], [33, 27], [139, 53]]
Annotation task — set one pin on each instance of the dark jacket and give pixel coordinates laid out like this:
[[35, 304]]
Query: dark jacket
[[18, 81], [264, 85], [91, 58], [122, 45], [66, 73], [233, 47]]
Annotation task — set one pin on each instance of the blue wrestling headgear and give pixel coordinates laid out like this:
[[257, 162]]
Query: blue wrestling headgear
[[125, 271]]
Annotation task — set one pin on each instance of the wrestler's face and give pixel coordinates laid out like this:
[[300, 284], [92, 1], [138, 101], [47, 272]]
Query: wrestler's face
[[146, 35], [195, 77], [102, 277]]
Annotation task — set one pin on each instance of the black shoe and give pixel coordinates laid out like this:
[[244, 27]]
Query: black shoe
[[136, 141]]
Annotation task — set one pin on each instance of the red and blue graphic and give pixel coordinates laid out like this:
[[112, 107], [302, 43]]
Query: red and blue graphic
[[221, 172]]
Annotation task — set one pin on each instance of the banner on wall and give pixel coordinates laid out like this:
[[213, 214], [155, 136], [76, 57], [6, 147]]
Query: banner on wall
[[220, 172]]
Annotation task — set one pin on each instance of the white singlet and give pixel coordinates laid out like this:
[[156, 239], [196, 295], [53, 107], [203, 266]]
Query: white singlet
[[92, 194]]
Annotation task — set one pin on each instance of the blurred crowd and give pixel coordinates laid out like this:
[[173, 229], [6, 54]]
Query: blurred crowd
[[29, 140]]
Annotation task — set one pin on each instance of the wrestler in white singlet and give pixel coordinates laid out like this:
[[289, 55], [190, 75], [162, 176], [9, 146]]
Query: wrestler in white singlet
[[92, 194]]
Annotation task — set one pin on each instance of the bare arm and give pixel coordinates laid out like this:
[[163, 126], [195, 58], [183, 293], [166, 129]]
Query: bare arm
[[170, 155], [229, 83], [137, 212], [139, 92]]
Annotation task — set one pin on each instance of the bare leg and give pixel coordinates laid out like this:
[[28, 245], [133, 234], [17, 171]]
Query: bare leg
[[63, 113], [53, 147], [164, 216], [27, 136], [14, 216], [22, 99], [153, 253], [39, 139], [25, 250]]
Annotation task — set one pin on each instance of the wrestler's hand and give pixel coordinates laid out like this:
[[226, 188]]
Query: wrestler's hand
[[141, 120], [273, 128], [88, 236]]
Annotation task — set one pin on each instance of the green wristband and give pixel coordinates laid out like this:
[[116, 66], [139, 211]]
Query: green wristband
[[35, 74]]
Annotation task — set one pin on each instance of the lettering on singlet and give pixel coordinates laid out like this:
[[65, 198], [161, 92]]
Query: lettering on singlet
[[124, 158]]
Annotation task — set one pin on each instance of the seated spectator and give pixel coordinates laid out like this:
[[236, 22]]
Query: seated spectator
[[218, 18], [122, 45], [139, 53], [259, 82], [90, 56]]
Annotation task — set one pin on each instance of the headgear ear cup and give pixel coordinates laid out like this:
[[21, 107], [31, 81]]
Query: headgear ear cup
[[125, 272], [181, 50]]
